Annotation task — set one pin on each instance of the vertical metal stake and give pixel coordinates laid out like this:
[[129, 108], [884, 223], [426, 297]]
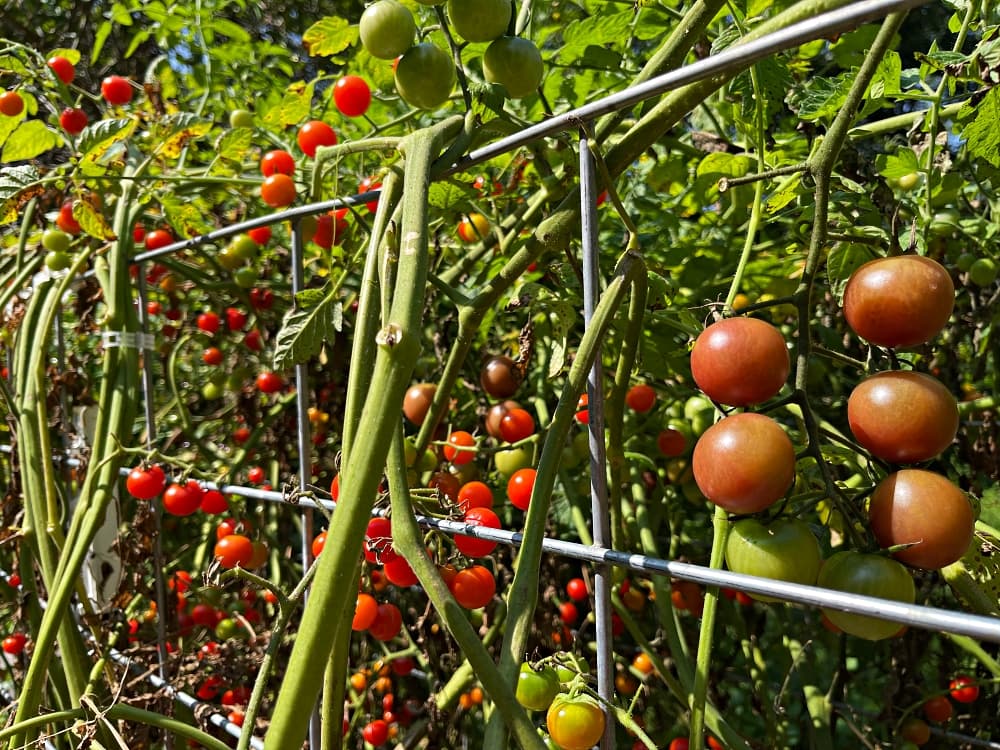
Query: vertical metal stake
[[148, 391], [598, 459], [305, 444]]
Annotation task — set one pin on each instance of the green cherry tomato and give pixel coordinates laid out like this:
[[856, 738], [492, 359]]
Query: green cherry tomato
[[908, 181], [983, 272], [56, 260], [55, 240], [211, 391], [225, 629], [870, 575], [514, 63], [387, 29], [784, 549], [245, 277], [240, 118], [965, 261], [575, 723], [425, 76], [228, 259], [510, 461], [536, 689], [243, 248], [569, 666], [479, 20]]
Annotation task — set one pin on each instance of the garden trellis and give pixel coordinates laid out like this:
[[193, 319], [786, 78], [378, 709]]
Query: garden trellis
[[601, 554]]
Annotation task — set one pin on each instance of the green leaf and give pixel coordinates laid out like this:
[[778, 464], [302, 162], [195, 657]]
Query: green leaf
[[330, 36], [720, 164], [11, 64], [186, 216], [234, 143], [92, 221], [73, 55], [97, 139], [822, 97], [140, 37], [990, 506], [176, 131], [447, 195], [788, 190], [103, 31], [894, 166], [843, 260], [589, 36], [307, 326], [30, 139], [981, 131], [293, 108], [885, 82], [232, 30]]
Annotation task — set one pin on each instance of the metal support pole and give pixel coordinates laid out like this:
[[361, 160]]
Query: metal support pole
[[598, 457], [304, 444]]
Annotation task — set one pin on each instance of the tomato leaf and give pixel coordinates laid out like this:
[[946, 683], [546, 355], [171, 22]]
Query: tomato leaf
[[307, 327], [10, 64], [822, 97], [982, 137], [97, 139], [330, 36], [176, 131], [92, 221], [18, 185], [31, 138], [234, 144], [292, 109], [900, 164]]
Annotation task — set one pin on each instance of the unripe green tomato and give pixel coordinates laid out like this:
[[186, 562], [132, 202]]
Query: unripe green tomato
[[509, 461], [965, 261], [581, 444], [983, 272], [243, 247], [58, 261], [409, 451], [211, 391], [246, 277], [909, 181], [425, 76], [536, 688], [387, 29], [785, 550], [944, 223], [480, 20], [55, 240], [228, 259], [241, 118], [226, 629], [516, 64]]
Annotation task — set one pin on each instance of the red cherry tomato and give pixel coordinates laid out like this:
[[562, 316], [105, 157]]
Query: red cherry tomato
[[314, 134], [145, 483], [276, 162], [519, 487], [65, 70], [116, 90], [352, 96]]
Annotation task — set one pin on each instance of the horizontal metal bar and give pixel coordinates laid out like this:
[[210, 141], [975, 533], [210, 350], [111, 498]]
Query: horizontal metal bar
[[915, 615], [965, 739], [737, 57]]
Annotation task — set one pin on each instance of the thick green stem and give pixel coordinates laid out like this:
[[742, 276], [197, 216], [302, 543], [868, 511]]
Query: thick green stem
[[398, 347]]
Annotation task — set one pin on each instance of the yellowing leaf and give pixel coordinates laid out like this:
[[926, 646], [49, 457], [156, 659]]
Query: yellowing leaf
[[330, 36], [30, 139]]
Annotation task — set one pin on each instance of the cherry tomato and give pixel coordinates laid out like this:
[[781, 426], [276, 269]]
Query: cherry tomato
[[352, 95], [871, 575], [903, 300], [388, 622], [65, 70], [234, 550], [938, 709], [314, 134], [274, 162], [575, 723], [500, 377], [671, 442], [964, 689], [180, 500], [519, 487], [915, 730], [66, 221], [517, 424], [368, 185], [208, 322], [516, 64], [376, 732], [480, 20], [214, 502], [262, 235], [640, 398], [536, 688], [471, 546], [425, 76], [11, 103], [473, 587], [73, 120], [398, 572], [454, 448], [387, 29], [473, 228], [145, 483], [116, 90], [158, 238], [278, 190], [784, 549], [14, 644], [417, 402], [475, 495], [576, 590], [269, 382], [365, 612]]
